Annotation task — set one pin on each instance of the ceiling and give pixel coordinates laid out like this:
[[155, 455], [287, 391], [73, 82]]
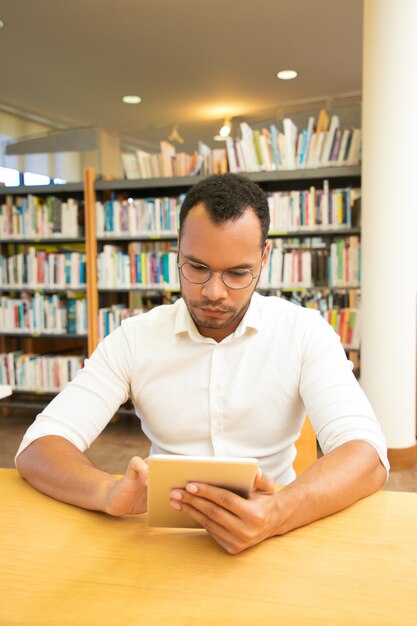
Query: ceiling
[[192, 62]]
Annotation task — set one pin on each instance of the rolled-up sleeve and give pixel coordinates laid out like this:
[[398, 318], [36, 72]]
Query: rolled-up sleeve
[[335, 403], [85, 405]]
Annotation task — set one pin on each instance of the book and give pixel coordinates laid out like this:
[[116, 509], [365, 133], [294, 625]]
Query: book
[[130, 165], [274, 145], [317, 139], [290, 134], [353, 155], [205, 152], [219, 160], [328, 144], [143, 159], [265, 141], [248, 148], [231, 155], [308, 141], [167, 158], [334, 154]]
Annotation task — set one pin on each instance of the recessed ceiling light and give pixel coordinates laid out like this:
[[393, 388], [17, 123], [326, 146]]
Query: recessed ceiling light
[[287, 74], [1, 23], [131, 99]]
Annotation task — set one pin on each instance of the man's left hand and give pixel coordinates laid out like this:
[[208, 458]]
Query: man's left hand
[[234, 522]]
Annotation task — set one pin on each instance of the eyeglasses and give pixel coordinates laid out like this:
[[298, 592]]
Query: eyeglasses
[[199, 274]]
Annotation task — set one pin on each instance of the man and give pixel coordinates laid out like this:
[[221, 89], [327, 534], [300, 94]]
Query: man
[[225, 372]]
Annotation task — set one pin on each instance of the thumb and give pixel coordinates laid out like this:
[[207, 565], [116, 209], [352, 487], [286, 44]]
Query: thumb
[[263, 482], [137, 469]]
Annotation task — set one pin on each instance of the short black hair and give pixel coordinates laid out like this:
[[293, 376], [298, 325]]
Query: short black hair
[[226, 197]]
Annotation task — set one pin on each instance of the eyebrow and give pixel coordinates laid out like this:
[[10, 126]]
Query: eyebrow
[[241, 266]]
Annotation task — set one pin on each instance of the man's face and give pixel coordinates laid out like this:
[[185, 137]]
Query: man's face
[[215, 308]]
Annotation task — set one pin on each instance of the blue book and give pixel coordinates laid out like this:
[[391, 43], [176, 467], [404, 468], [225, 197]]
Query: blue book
[[82, 276], [71, 316], [108, 217], [67, 268], [138, 268], [303, 149], [274, 144]]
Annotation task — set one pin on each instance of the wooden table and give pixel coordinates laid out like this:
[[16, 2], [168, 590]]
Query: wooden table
[[60, 565]]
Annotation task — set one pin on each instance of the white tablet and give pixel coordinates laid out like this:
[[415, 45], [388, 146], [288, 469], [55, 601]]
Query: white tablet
[[166, 472]]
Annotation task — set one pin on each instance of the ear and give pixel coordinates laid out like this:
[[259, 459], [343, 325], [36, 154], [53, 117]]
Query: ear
[[267, 252]]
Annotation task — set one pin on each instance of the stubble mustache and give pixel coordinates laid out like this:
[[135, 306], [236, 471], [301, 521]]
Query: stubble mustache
[[210, 304]]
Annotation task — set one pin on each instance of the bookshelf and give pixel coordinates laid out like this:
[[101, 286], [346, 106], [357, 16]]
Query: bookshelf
[[43, 321], [341, 294], [120, 299]]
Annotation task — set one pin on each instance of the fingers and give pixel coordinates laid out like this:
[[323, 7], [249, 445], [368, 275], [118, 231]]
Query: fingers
[[263, 483], [207, 504], [137, 469], [234, 522], [128, 495], [215, 500], [226, 532]]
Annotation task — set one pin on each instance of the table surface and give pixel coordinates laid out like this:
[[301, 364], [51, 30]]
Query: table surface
[[68, 566]]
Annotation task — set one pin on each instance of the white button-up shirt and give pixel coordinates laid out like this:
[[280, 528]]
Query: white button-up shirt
[[244, 396]]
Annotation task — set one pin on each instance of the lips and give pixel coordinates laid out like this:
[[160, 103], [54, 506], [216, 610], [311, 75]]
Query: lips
[[213, 311]]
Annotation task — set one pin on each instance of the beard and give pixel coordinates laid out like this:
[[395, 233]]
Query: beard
[[214, 315]]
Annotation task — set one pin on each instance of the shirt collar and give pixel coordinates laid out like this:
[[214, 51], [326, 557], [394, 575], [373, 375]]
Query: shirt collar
[[184, 323]]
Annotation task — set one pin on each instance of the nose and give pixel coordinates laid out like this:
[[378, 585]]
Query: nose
[[214, 288]]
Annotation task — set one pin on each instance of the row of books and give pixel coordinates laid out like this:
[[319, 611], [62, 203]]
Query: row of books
[[340, 309], [345, 321], [38, 372], [337, 266], [297, 267], [110, 318], [39, 314], [136, 217], [137, 267], [325, 299], [314, 209], [322, 143], [43, 268], [155, 264], [33, 217], [290, 210], [345, 262]]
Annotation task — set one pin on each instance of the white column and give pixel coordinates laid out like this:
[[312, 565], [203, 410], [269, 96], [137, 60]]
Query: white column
[[389, 219]]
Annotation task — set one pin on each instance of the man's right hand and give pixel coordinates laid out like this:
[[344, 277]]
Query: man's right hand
[[129, 494], [56, 467]]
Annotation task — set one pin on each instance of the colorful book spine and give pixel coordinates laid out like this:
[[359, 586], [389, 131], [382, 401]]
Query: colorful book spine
[[33, 217], [38, 372]]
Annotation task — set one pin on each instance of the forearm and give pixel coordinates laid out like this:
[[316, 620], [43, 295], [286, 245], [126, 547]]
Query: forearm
[[335, 481], [57, 468]]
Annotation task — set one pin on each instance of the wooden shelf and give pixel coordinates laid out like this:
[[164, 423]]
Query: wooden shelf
[[49, 240], [184, 182], [42, 289], [43, 190], [26, 335], [139, 237]]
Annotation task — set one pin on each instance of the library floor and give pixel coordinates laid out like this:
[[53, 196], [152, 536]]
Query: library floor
[[123, 439]]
